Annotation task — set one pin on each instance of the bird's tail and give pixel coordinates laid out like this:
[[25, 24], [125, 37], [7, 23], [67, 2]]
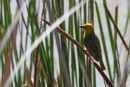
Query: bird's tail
[[102, 64]]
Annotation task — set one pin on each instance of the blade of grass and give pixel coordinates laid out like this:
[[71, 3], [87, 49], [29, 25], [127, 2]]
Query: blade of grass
[[26, 78], [42, 81], [44, 73], [59, 12], [60, 6], [59, 48], [1, 11], [94, 77], [73, 58], [92, 22], [43, 35], [127, 22], [126, 27], [85, 21], [127, 59], [118, 31], [45, 64], [111, 40], [115, 50], [84, 71], [109, 28], [92, 12], [20, 52], [77, 35], [90, 19], [10, 28], [116, 20], [52, 44], [114, 54], [23, 19], [103, 41]]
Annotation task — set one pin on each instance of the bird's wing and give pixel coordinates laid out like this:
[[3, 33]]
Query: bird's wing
[[93, 46], [98, 47]]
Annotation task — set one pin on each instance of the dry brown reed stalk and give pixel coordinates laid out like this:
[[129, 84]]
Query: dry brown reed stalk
[[24, 20], [35, 66], [43, 11], [117, 29], [37, 75], [53, 80], [115, 34], [103, 75], [44, 73], [117, 80], [63, 33], [37, 50], [59, 81], [29, 77], [10, 56]]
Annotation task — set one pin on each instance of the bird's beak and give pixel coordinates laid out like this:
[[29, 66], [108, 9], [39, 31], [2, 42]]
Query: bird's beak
[[81, 27]]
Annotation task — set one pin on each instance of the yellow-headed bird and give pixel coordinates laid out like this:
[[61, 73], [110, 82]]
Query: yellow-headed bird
[[92, 43]]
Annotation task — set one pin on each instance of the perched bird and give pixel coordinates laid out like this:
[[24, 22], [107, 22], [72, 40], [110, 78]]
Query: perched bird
[[92, 43]]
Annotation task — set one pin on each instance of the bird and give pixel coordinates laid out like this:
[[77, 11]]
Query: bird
[[92, 43]]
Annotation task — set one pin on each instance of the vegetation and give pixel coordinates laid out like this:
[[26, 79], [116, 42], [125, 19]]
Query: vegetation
[[36, 44]]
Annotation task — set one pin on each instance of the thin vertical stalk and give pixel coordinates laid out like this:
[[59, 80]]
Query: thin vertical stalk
[[10, 56], [77, 34], [72, 52], [59, 48], [103, 41], [59, 81], [115, 49], [36, 80], [35, 69], [126, 27], [127, 48], [29, 77], [109, 28]]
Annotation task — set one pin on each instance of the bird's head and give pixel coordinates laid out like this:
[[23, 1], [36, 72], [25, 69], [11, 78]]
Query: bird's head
[[88, 28]]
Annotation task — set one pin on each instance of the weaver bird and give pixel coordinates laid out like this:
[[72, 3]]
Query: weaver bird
[[92, 43]]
